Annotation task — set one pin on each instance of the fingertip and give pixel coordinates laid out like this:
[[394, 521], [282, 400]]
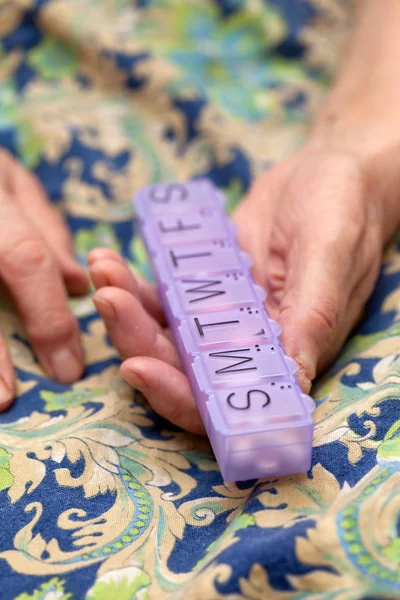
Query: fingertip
[[6, 405], [97, 277], [65, 363], [114, 296], [8, 383], [167, 390], [7, 398], [301, 348], [102, 253], [304, 379], [7, 394], [134, 371], [109, 273], [104, 302]]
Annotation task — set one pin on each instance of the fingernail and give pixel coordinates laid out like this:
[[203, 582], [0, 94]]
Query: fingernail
[[306, 363], [105, 309], [306, 372], [5, 395], [93, 256], [65, 366], [98, 278], [137, 381]]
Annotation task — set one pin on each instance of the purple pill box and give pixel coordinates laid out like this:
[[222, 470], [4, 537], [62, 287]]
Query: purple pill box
[[258, 420]]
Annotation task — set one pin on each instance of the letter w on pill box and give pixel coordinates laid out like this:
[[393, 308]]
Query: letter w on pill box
[[257, 418]]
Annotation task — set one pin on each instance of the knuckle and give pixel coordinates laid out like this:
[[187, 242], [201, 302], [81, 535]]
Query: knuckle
[[321, 318], [324, 319], [53, 327], [356, 221], [26, 255]]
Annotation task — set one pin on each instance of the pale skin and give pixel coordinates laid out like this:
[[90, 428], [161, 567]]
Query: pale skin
[[315, 225]]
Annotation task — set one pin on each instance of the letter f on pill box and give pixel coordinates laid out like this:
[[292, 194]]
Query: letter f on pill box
[[258, 420]]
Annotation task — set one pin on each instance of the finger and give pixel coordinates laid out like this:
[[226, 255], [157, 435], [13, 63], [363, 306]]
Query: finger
[[329, 276], [103, 253], [7, 377], [131, 329], [108, 269], [310, 315], [167, 390], [254, 218], [31, 196], [107, 272], [34, 280]]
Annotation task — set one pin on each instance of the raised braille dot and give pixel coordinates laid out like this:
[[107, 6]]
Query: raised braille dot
[[290, 387], [272, 349], [242, 309], [273, 384], [282, 387], [258, 350]]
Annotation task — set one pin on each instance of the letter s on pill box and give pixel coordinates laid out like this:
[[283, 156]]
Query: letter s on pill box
[[258, 420]]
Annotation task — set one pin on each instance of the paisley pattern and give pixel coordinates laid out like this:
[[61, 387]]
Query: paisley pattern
[[99, 497]]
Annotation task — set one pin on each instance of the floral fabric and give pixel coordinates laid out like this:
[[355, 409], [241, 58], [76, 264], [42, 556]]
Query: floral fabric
[[99, 497]]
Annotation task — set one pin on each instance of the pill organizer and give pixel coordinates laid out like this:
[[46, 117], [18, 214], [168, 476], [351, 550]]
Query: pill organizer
[[258, 420]]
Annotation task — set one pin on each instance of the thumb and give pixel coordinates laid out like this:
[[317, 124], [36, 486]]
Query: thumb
[[315, 312]]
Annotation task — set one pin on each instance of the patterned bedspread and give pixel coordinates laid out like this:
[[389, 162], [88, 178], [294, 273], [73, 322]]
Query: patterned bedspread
[[100, 499]]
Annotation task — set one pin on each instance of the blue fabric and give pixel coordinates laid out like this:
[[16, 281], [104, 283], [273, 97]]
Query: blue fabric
[[99, 497]]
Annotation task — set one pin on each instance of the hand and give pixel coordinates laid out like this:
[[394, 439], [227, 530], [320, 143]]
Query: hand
[[37, 268], [315, 226], [136, 326]]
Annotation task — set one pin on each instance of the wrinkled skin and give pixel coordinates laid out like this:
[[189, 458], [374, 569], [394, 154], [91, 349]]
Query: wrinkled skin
[[38, 270], [315, 226]]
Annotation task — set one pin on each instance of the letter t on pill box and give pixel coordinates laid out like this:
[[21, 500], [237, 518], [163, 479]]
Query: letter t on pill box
[[258, 420]]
